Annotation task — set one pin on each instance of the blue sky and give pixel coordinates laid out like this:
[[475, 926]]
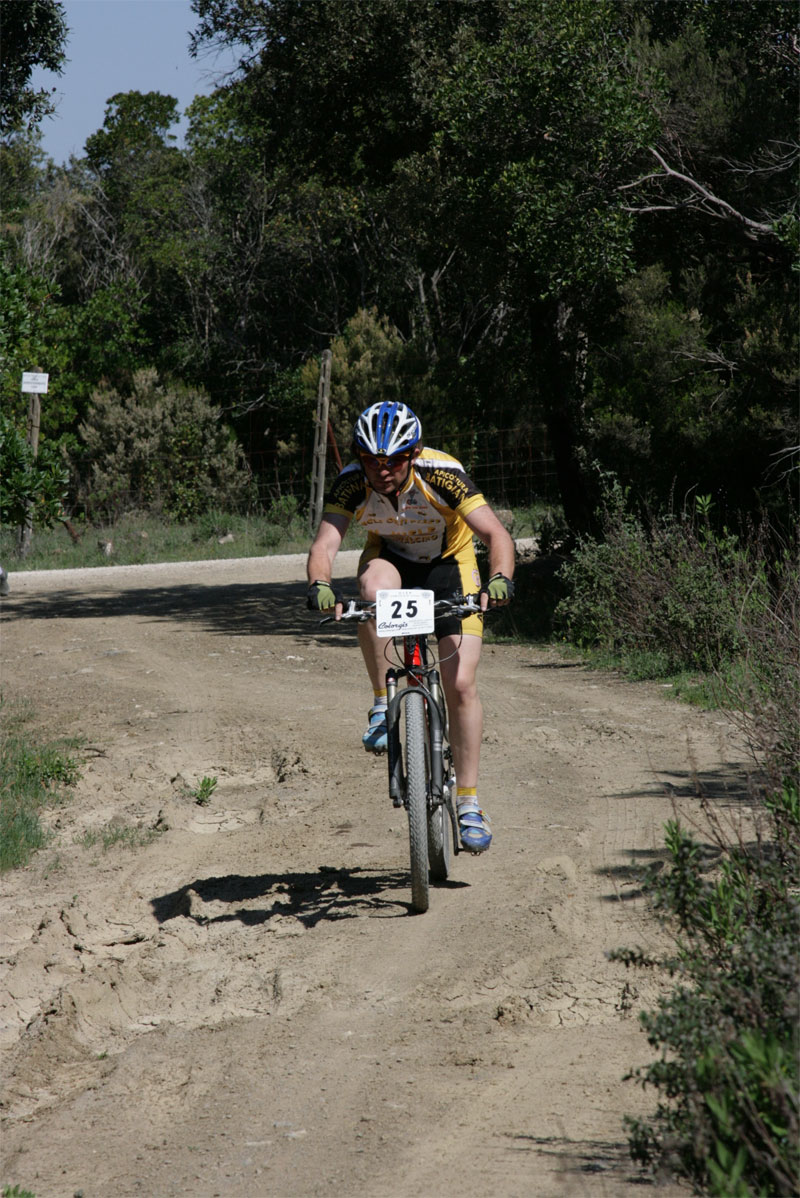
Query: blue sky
[[119, 46]]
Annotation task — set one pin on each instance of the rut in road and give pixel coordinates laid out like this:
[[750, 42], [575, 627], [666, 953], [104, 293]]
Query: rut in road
[[244, 1004]]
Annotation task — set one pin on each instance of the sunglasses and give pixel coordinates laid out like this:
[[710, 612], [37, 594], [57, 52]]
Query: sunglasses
[[375, 463]]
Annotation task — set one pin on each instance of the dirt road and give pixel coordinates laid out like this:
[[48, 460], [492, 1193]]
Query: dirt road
[[244, 1005]]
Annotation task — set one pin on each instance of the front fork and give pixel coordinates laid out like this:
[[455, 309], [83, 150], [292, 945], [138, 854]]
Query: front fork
[[441, 780]]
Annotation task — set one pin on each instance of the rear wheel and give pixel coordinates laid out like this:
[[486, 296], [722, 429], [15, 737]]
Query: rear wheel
[[417, 800]]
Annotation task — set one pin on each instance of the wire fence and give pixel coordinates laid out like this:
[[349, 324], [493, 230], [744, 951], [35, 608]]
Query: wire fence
[[512, 467]]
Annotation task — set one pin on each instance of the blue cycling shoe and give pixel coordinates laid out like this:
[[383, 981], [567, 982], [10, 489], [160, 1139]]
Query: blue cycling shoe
[[473, 826], [375, 737]]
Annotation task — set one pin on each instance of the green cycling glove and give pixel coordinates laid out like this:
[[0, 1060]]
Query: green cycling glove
[[321, 596], [499, 588]]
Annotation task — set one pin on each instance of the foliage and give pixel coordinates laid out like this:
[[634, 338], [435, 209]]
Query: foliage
[[728, 1033], [536, 127], [34, 486], [764, 696], [378, 57], [26, 302], [674, 589], [34, 34], [33, 775], [688, 394], [161, 447], [134, 122], [578, 214], [203, 791], [729, 1030], [371, 362], [117, 835]]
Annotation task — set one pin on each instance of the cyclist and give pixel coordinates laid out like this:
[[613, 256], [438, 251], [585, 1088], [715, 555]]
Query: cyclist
[[420, 511]]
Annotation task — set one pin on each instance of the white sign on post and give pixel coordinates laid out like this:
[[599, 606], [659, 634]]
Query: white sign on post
[[33, 383], [403, 613]]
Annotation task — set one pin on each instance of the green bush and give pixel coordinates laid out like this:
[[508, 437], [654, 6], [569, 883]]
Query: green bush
[[35, 484], [372, 362], [729, 1030], [764, 695], [162, 448], [672, 594]]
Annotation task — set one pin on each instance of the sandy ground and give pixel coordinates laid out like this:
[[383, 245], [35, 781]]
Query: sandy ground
[[244, 1005]]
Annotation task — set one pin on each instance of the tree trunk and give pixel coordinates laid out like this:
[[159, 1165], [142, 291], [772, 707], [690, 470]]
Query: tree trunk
[[559, 356]]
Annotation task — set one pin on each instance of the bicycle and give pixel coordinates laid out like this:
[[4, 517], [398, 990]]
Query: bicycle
[[423, 781]]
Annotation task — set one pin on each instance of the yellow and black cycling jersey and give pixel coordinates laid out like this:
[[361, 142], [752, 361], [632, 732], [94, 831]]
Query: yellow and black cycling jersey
[[427, 522]]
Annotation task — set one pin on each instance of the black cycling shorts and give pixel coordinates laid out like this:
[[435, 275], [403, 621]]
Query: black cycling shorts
[[445, 577]]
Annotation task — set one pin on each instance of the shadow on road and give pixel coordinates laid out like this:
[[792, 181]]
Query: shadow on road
[[326, 894], [579, 1158], [727, 789], [233, 609]]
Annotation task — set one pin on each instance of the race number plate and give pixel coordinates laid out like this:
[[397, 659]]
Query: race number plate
[[403, 613]]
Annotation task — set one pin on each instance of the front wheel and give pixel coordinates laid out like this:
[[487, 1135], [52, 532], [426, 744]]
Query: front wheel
[[417, 800], [439, 843]]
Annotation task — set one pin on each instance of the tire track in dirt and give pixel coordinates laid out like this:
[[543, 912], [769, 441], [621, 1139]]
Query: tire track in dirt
[[243, 1005]]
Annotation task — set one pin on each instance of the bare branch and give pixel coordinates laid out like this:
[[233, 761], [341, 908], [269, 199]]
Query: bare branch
[[779, 157], [700, 197]]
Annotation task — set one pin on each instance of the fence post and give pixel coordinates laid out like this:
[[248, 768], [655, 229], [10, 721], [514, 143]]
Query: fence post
[[320, 439], [35, 383]]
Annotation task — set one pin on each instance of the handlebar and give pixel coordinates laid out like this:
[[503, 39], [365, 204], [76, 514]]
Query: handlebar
[[459, 605]]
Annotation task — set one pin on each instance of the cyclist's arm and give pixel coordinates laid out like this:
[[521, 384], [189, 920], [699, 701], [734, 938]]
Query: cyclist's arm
[[325, 546], [486, 526]]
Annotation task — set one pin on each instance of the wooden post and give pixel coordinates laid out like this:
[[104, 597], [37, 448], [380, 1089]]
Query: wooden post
[[25, 531], [320, 440]]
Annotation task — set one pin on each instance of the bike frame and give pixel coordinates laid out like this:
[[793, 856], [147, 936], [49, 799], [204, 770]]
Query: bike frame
[[424, 677], [422, 780]]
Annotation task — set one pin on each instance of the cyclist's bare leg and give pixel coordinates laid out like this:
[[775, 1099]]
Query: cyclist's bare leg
[[458, 664], [376, 575]]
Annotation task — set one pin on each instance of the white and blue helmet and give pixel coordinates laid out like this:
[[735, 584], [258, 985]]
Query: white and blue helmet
[[387, 428]]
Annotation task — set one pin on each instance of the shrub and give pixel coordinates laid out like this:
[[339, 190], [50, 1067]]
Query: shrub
[[764, 697], [30, 484], [161, 448], [674, 590], [728, 1031], [372, 362]]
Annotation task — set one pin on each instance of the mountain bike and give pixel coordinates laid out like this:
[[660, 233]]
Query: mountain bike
[[421, 779]]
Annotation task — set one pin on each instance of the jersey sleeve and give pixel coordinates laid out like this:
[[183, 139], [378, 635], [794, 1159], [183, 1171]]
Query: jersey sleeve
[[452, 485], [347, 491]]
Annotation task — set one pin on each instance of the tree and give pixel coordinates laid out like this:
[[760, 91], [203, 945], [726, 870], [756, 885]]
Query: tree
[[537, 130], [28, 307], [695, 386], [32, 33], [336, 215], [723, 81], [134, 238], [31, 486], [379, 58]]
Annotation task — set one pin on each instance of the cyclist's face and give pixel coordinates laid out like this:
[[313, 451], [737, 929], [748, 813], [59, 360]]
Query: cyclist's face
[[386, 474]]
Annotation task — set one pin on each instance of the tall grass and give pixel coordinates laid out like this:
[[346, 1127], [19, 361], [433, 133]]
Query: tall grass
[[139, 538], [33, 775]]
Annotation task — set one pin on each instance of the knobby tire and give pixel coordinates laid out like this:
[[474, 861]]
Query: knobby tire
[[417, 800], [439, 843]]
